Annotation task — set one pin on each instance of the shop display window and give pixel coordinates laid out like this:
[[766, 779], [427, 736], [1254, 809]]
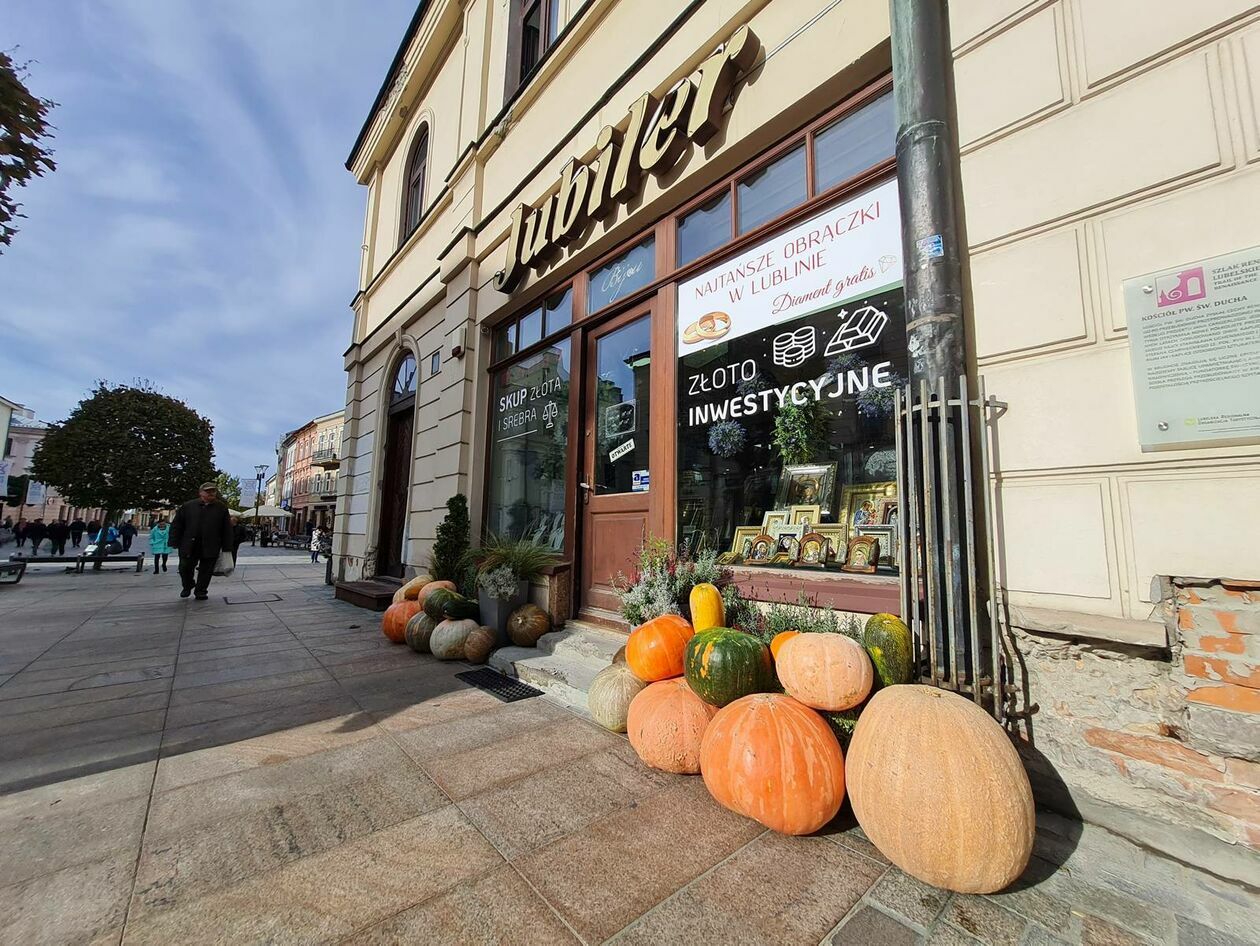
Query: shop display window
[[619, 277], [790, 354], [555, 313], [772, 190], [528, 440], [855, 142]]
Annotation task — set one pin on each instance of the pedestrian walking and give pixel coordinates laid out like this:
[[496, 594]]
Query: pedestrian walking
[[77, 528], [58, 532], [128, 532], [321, 543], [36, 532], [239, 535], [200, 530], [160, 544], [310, 528], [19, 531]]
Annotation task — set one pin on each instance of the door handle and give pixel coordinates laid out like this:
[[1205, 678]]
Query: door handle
[[587, 490], [586, 486]]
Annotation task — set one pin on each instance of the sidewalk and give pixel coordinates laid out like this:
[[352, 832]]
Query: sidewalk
[[265, 767]]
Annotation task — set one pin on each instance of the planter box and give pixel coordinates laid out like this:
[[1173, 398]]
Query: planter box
[[495, 611]]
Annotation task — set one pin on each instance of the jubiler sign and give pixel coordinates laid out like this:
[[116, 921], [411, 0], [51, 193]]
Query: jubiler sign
[[655, 135]]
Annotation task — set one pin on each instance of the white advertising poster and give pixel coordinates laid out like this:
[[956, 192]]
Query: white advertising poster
[[249, 491], [35, 493], [849, 251], [5, 465]]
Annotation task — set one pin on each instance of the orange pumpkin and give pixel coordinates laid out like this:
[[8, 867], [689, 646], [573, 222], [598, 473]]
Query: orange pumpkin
[[666, 723], [773, 759], [939, 789], [828, 672], [656, 649], [432, 586], [779, 640], [394, 623]]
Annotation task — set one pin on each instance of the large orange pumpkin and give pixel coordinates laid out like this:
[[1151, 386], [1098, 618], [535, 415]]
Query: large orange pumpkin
[[773, 759], [666, 724], [826, 671], [394, 623], [656, 649], [939, 789]]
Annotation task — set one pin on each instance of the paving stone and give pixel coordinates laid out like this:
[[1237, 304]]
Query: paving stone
[[247, 670], [54, 738], [606, 875], [79, 713], [481, 729], [985, 920], [915, 901], [870, 927], [1098, 932], [76, 761], [330, 895], [533, 811], [218, 732], [844, 831], [47, 701], [78, 904], [220, 691], [773, 890], [1191, 933], [204, 711], [20, 686], [945, 935], [497, 909]]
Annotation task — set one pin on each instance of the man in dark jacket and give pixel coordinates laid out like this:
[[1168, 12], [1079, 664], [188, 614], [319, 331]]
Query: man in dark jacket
[[76, 531], [201, 530], [128, 532], [36, 532], [58, 532]]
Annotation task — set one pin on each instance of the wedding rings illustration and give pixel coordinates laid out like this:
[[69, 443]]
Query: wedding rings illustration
[[709, 326]]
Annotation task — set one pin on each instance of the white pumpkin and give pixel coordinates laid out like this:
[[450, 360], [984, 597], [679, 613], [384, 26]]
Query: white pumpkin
[[447, 640], [610, 694]]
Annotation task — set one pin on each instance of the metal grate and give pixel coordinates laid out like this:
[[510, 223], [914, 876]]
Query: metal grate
[[252, 599], [496, 684], [948, 574]]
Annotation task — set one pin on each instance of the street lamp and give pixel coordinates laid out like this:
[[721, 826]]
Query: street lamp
[[260, 470]]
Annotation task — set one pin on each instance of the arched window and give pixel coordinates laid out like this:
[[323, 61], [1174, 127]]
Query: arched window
[[404, 380], [413, 182]]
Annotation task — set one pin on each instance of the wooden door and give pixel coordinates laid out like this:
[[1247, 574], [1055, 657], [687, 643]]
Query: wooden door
[[615, 477], [394, 490]]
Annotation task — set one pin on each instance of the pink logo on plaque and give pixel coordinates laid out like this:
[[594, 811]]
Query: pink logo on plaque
[[1182, 287]]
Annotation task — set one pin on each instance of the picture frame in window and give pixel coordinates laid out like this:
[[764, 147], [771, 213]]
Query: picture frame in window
[[775, 517], [836, 540], [887, 536], [815, 550], [807, 516], [762, 550], [782, 559], [888, 511], [859, 504], [808, 484], [863, 555], [787, 540], [741, 543]]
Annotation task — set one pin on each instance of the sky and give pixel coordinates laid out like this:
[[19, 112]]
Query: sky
[[201, 230]]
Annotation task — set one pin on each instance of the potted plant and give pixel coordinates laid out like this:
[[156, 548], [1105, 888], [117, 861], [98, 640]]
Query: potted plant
[[505, 567]]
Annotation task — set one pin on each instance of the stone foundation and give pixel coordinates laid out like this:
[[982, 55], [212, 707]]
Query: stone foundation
[[1160, 744]]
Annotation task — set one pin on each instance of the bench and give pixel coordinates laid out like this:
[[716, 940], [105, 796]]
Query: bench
[[79, 561], [295, 543], [11, 572]]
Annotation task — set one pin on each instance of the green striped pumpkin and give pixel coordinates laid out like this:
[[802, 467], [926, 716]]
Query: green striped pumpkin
[[721, 665]]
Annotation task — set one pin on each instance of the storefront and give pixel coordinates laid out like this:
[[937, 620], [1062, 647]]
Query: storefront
[[723, 380]]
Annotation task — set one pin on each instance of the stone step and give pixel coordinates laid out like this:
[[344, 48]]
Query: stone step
[[564, 663]]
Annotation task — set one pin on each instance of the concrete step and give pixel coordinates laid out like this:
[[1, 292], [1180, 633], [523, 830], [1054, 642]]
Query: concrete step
[[564, 663]]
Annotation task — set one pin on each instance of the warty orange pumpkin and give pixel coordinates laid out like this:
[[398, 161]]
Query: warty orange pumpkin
[[939, 789], [825, 671], [773, 759], [394, 623], [666, 724], [656, 649]]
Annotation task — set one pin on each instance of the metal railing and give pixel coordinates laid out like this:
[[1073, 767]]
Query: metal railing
[[946, 559], [325, 455]]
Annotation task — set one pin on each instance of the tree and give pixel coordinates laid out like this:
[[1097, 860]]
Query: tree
[[229, 489], [127, 447], [23, 128], [451, 543]]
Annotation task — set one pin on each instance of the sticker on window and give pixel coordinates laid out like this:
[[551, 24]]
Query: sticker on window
[[616, 453], [639, 481], [619, 419]]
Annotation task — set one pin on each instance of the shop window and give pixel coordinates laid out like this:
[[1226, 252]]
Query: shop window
[[854, 143], [529, 435], [618, 278], [560, 310], [413, 183], [774, 189], [505, 341], [531, 330], [704, 229], [785, 392]]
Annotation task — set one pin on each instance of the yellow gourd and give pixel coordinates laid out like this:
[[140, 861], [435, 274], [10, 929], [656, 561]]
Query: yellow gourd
[[707, 609]]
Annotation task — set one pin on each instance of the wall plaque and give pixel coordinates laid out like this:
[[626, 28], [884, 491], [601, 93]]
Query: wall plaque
[[1194, 341]]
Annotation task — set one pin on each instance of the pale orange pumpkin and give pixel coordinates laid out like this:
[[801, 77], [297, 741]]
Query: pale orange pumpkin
[[939, 789], [779, 640], [666, 723], [773, 759], [656, 649], [394, 623], [825, 671]]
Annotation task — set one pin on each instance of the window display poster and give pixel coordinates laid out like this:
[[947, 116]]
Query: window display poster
[[1194, 342], [847, 252]]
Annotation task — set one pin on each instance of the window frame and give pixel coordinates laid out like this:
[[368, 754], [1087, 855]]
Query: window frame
[[415, 176], [548, 35]]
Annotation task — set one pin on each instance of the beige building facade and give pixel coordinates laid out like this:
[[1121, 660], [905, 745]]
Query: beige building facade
[[538, 327]]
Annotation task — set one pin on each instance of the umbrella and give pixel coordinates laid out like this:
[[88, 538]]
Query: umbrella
[[267, 512]]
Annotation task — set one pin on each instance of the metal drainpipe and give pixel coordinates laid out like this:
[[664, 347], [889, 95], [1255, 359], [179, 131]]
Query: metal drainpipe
[[935, 334], [926, 164]]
